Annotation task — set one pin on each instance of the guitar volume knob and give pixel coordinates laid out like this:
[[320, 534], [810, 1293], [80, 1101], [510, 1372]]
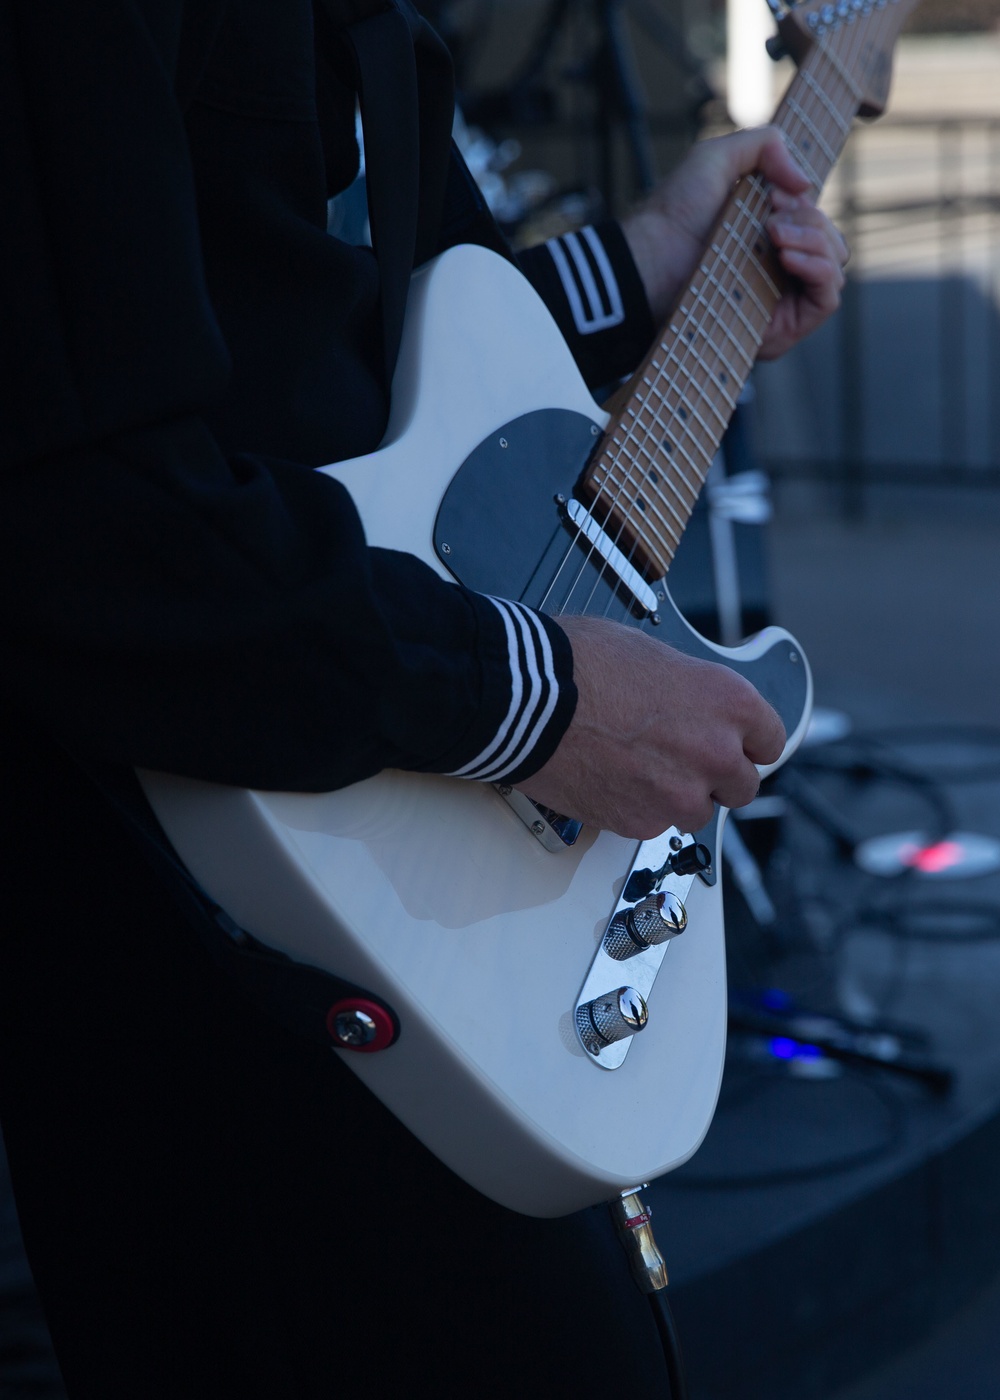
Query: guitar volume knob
[[650, 922], [611, 1017]]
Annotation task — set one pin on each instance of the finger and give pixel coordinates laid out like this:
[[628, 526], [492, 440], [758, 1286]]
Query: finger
[[760, 149], [777, 164], [806, 238], [764, 740], [820, 283], [740, 789], [804, 221]]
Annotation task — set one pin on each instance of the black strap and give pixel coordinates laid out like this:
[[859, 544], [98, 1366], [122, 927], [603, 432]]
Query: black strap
[[405, 89]]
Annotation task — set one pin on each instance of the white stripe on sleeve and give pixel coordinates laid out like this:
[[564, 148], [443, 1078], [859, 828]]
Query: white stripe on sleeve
[[580, 284], [534, 696]]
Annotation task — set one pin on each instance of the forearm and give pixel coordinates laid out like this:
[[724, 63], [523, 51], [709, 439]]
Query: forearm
[[164, 607]]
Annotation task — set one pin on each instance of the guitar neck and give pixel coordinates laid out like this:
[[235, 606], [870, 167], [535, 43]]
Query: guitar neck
[[658, 447]]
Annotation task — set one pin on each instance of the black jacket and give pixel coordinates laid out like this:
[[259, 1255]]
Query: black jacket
[[181, 343]]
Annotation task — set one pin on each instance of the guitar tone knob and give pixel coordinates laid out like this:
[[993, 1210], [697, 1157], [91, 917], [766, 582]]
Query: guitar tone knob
[[692, 859], [646, 925], [611, 1017]]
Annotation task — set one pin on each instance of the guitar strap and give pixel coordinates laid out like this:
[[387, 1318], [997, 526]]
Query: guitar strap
[[421, 196]]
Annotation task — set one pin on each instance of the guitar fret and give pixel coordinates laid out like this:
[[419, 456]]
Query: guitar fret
[[663, 398], [741, 284], [666, 463], [667, 430], [702, 399], [823, 51], [723, 420], [661, 446], [682, 520], [799, 150], [803, 116], [747, 353], [696, 446], [642, 525], [839, 119], [685, 368], [737, 311], [675, 535], [750, 252], [720, 381], [668, 468]]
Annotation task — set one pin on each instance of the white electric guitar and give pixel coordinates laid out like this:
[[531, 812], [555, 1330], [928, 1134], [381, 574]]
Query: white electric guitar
[[560, 1002]]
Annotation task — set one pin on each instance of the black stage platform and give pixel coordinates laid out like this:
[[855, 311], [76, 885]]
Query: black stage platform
[[837, 1213], [798, 1285]]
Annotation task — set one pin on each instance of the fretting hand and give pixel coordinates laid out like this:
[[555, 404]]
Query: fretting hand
[[668, 231]]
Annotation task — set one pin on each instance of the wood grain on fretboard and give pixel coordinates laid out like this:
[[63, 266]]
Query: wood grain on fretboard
[[667, 424]]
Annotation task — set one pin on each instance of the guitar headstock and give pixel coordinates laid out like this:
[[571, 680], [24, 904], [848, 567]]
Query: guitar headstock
[[859, 35]]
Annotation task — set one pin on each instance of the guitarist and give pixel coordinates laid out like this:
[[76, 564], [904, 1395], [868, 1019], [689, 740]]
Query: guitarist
[[213, 1207]]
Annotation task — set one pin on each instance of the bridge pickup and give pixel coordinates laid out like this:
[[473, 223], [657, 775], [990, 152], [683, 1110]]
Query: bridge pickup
[[612, 556]]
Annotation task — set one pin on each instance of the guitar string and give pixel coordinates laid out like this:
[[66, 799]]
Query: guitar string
[[749, 218], [655, 389], [629, 434], [686, 403], [686, 412], [624, 467], [814, 104], [691, 408], [812, 113], [659, 387]]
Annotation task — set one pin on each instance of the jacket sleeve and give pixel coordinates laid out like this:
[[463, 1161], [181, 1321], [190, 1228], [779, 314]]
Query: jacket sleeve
[[168, 603]]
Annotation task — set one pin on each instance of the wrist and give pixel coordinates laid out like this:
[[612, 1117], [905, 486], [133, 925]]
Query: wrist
[[653, 240]]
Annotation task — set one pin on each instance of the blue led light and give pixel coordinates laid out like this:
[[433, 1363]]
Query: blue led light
[[782, 1048], [775, 999]]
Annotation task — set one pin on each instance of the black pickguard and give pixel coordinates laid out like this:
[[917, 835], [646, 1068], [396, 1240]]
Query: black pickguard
[[502, 529]]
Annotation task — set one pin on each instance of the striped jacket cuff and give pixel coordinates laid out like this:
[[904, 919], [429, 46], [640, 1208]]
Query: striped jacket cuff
[[539, 691], [591, 286], [588, 280]]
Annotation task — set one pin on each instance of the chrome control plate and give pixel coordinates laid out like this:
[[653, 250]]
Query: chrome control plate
[[607, 973]]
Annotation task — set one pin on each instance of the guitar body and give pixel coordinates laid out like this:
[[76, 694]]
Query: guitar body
[[431, 891]]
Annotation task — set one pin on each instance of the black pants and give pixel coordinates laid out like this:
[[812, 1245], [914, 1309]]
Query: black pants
[[214, 1208]]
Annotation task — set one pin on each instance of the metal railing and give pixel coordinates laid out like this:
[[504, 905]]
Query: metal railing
[[906, 380]]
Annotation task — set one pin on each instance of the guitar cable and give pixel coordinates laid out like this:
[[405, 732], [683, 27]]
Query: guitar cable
[[631, 1220]]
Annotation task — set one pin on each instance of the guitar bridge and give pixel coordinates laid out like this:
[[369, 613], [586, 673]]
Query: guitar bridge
[[553, 831]]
